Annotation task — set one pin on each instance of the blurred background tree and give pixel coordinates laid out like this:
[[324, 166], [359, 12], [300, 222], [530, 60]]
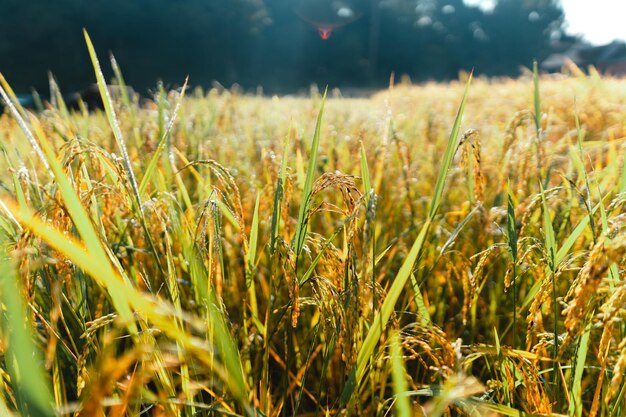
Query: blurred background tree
[[272, 43]]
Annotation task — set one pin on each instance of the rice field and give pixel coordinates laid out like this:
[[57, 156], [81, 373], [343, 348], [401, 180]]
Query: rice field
[[435, 250]]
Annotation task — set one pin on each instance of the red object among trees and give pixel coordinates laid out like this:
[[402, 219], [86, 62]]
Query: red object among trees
[[328, 15]]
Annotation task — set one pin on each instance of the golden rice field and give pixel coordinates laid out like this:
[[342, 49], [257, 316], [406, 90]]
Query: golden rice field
[[222, 254]]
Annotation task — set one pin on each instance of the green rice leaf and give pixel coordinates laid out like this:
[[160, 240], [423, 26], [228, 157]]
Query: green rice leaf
[[252, 249], [22, 357], [511, 228], [400, 388], [453, 143], [301, 227], [254, 233], [576, 403], [421, 305], [365, 173]]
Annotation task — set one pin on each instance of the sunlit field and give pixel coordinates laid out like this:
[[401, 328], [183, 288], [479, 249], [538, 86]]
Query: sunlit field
[[434, 250]]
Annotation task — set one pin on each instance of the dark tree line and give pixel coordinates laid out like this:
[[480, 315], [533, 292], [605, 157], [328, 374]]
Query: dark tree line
[[273, 43]]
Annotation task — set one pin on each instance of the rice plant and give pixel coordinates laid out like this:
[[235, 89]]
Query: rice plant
[[433, 250]]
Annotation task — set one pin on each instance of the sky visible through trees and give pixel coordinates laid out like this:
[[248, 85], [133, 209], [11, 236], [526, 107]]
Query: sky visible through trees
[[282, 45]]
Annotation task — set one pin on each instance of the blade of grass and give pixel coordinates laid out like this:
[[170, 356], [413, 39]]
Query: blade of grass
[[400, 388], [19, 193], [22, 357], [512, 241], [576, 404], [113, 122], [252, 248], [301, 227], [421, 305], [365, 173], [622, 179], [503, 364], [448, 154]]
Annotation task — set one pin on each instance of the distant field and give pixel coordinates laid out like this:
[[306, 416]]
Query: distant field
[[220, 254]]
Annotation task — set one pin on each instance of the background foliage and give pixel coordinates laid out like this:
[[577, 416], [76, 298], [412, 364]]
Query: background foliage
[[256, 42]]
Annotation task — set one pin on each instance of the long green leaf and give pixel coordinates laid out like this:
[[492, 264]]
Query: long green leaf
[[23, 359], [113, 122], [453, 143], [254, 232], [365, 173], [301, 227], [576, 404], [252, 248], [421, 305], [400, 388]]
